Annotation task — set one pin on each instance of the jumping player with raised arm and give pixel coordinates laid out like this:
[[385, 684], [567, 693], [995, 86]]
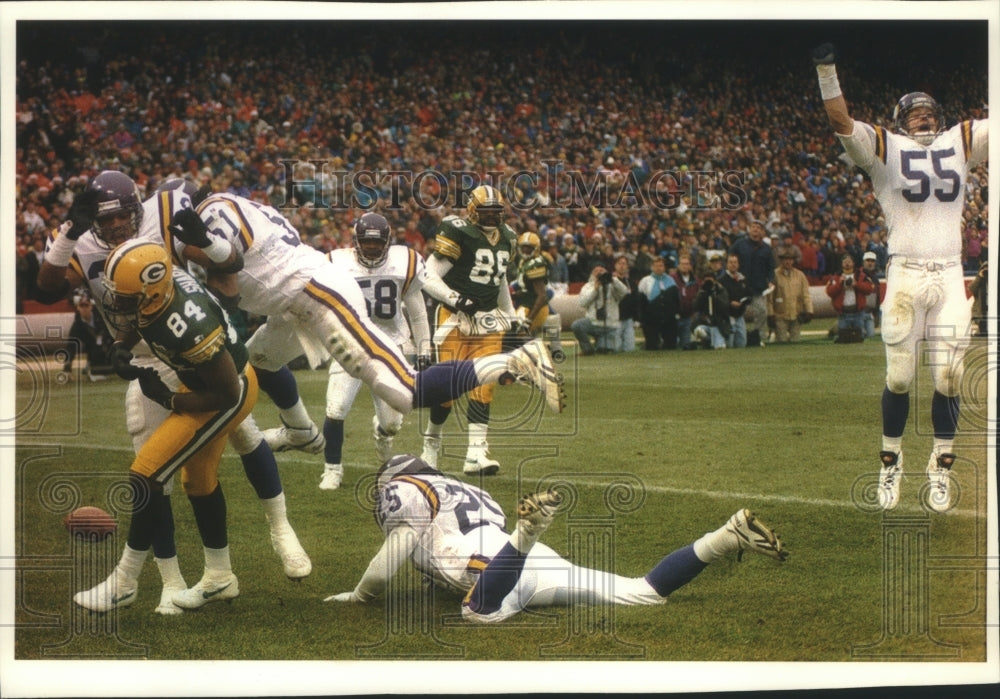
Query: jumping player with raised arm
[[919, 175]]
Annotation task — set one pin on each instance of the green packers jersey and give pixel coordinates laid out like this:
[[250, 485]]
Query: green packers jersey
[[479, 265], [191, 330], [531, 270]]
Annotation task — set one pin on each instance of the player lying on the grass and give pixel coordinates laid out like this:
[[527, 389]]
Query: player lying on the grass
[[919, 175], [455, 534]]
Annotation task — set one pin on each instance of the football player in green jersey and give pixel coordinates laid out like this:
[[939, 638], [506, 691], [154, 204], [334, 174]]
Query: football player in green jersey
[[147, 299], [471, 256], [531, 296]]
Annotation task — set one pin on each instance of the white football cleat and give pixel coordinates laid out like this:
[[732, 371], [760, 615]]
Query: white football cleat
[[166, 605], [535, 512], [333, 474], [939, 477], [889, 477], [294, 558], [532, 364], [753, 535], [285, 438], [117, 591], [383, 442], [217, 586], [431, 452], [481, 463]]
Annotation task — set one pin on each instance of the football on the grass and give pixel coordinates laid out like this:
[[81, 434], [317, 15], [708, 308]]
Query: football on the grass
[[90, 522]]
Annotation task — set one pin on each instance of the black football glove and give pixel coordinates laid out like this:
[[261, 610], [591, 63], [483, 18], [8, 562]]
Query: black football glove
[[82, 213], [153, 388], [424, 361], [201, 195], [121, 362], [824, 54], [466, 305], [189, 228], [804, 318]]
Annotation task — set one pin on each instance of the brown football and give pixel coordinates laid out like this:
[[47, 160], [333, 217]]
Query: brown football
[[90, 522]]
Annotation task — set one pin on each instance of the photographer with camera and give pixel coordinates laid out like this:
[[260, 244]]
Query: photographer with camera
[[849, 292], [659, 301], [711, 318], [599, 299]]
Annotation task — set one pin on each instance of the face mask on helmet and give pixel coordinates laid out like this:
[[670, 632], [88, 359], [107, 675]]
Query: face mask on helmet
[[919, 116], [138, 281], [485, 207], [529, 244], [372, 239], [119, 207]]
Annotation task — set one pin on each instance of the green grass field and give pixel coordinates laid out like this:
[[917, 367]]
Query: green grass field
[[655, 448]]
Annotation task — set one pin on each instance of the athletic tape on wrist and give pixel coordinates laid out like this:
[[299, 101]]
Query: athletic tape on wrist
[[829, 85], [62, 247], [218, 250]]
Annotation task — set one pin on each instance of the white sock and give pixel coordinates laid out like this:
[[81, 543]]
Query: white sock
[[942, 446], [434, 431], [296, 416], [170, 572], [217, 560], [715, 545], [477, 440], [893, 444], [521, 538], [338, 468], [131, 562], [274, 511]]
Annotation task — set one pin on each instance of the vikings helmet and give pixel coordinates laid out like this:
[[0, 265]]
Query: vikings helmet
[[117, 196], [138, 281], [485, 207], [186, 186], [529, 244], [905, 106], [401, 465], [372, 239]]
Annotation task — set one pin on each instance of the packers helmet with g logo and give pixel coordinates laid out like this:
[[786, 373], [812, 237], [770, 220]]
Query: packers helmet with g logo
[[485, 207], [529, 244], [138, 281]]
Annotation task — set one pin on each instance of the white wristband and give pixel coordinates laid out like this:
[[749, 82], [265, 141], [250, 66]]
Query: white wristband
[[62, 247], [829, 85], [218, 250]]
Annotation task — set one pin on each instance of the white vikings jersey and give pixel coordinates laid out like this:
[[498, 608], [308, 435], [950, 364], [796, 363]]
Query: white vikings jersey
[[390, 289], [921, 188], [91, 252], [276, 265], [459, 526]]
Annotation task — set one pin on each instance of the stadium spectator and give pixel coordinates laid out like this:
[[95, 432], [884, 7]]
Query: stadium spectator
[[757, 267], [88, 333], [711, 320], [849, 295], [687, 289], [599, 299], [873, 303], [739, 298], [658, 304], [789, 306], [628, 307]]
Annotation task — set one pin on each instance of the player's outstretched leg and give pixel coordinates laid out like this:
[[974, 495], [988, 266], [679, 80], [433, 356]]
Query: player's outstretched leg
[[298, 431], [534, 515]]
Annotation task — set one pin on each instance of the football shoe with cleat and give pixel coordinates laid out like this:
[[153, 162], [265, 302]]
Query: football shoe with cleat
[[285, 438], [383, 442], [217, 586], [532, 364], [480, 463], [117, 591], [889, 477], [294, 559], [535, 512], [939, 481], [333, 475], [753, 535]]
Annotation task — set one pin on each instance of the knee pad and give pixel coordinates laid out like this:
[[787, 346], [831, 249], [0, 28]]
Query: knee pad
[[899, 371], [948, 377], [246, 437], [142, 416]]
